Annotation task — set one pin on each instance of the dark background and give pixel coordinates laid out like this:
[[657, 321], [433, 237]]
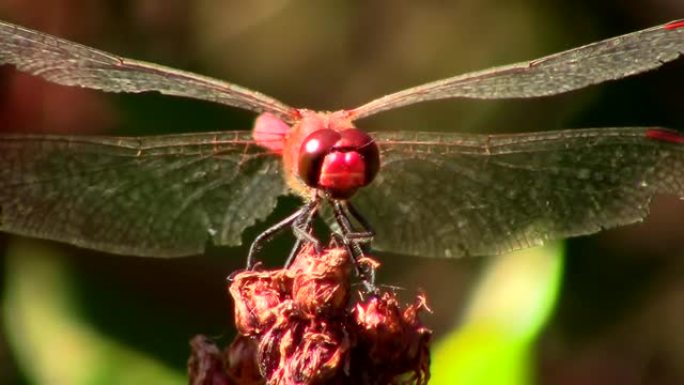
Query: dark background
[[619, 316]]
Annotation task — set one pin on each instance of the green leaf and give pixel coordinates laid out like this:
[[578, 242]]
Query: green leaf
[[495, 342], [52, 343]]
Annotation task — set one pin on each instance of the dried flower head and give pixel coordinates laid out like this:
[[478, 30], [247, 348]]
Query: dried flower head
[[298, 327]]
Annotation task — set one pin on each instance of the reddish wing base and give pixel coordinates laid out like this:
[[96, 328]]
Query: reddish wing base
[[665, 135], [675, 24], [269, 132]]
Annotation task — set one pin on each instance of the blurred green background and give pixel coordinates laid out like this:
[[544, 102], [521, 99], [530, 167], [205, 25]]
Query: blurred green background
[[605, 309]]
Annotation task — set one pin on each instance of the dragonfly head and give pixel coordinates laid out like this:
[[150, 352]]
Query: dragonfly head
[[339, 162]]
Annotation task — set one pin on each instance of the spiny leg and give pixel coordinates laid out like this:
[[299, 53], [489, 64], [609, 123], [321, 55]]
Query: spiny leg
[[272, 231], [363, 237], [367, 275], [301, 227], [349, 238], [342, 213], [367, 233]]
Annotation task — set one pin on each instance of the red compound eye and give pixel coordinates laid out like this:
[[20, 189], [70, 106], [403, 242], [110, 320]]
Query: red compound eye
[[359, 141], [314, 149], [339, 162]]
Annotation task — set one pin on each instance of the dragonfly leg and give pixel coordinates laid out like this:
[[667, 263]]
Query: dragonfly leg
[[301, 228], [350, 239], [272, 231], [349, 207], [303, 225], [367, 233], [342, 211]]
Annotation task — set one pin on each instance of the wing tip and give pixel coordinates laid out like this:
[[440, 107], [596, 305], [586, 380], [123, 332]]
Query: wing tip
[[665, 135], [674, 25]]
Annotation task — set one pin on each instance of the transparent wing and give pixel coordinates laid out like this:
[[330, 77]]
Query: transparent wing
[[562, 72], [72, 64], [450, 195], [162, 196]]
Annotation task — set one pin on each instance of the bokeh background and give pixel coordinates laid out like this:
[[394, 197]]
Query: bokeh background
[[603, 309]]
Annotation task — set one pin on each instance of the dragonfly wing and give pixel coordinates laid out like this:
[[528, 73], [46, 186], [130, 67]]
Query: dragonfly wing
[[68, 63], [562, 72], [450, 195], [163, 196]]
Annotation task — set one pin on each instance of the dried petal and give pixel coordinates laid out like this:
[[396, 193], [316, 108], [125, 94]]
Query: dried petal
[[392, 343], [258, 296], [321, 283], [205, 365], [276, 347], [417, 350], [320, 355], [240, 362], [381, 329]]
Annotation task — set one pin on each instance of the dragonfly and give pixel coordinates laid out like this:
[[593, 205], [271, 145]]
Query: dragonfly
[[425, 194]]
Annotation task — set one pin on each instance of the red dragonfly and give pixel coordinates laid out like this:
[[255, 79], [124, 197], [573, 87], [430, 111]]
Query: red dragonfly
[[426, 194]]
